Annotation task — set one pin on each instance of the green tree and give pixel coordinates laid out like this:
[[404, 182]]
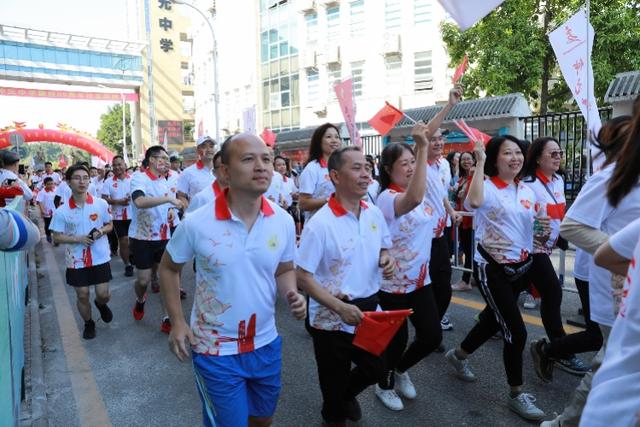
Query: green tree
[[110, 131], [509, 49]]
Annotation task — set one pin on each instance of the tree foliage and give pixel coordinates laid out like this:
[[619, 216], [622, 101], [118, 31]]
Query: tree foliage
[[509, 50], [110, 131]]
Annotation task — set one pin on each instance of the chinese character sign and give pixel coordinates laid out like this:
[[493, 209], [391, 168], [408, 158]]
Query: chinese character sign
[[572, 44], [344, 93]]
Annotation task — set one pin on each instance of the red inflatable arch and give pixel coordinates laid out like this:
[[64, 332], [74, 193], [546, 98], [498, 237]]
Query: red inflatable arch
[[90, 145]]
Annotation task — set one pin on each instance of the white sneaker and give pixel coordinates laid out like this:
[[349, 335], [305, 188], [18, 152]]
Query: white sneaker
[[523, 405], [530, 302], [461, 366], [389, 398], [551, 423], [405, 386]]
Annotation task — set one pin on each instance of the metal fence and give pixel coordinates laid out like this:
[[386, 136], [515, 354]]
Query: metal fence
[[570, 130], [372, 144]]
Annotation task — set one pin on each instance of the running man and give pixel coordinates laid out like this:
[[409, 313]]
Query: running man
[[200, 174], [244, 249], [45, 203]]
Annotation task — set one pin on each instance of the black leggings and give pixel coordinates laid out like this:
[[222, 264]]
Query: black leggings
[[426, 322], [501, 313], [588, 340], [47, 223], [440, 273], [544, 278], [466, 239]]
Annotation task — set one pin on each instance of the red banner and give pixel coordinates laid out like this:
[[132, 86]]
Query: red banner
[[65, 94]]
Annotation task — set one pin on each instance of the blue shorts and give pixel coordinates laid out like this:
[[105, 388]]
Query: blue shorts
[[234, 387]]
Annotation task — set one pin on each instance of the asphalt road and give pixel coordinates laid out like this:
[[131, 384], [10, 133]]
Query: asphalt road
[[128, 377]]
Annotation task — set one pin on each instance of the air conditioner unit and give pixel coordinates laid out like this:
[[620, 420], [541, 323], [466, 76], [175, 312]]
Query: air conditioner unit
[[305, 6], [309, 59], [333, 55], [319, 110], [329, 3], [391, 45]]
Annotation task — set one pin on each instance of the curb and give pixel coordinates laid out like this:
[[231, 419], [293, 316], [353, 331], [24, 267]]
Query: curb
[[38, 396]]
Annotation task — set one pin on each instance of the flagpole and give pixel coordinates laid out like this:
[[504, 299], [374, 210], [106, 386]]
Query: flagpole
[[586, 119], [409, 118]]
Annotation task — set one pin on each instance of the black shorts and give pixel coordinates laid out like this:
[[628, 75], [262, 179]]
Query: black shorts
[[145, 253], [89, 276], [121, 227]]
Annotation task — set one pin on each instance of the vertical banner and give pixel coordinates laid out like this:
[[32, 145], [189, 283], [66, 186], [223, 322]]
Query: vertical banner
[[572, 44], [344, 93], [249, 120]]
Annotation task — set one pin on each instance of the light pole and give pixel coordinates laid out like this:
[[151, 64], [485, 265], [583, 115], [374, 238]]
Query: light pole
[[216, 98]]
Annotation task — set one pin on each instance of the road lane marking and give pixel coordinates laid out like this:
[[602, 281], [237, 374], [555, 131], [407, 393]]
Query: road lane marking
[[91, 408], [532, 320]]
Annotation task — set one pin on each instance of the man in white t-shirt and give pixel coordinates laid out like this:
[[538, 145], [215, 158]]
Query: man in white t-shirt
[[45, 203], [342, 249], [82, 224], [207, 195], [50, 173], [244, 251], [200, 174]]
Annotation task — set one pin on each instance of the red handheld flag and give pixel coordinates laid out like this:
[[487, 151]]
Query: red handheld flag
[[461, 69], [269, 137], [472, 133], [377, 328], [386, 119]]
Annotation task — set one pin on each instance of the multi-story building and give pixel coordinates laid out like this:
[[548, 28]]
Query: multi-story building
[[283, 56]]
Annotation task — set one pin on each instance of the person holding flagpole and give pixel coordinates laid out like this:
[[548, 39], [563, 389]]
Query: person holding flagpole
[[402, 201]]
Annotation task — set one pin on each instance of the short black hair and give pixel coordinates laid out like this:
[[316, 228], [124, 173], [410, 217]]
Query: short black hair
[[336, 159], [224, 150], [118, 156], [92, 168], [152, 151], [73, 168], [48, 163], [47, 180], [493, 149], [217, 156]]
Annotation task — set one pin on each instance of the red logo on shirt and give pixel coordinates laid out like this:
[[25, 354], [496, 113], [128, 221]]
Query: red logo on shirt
[[93, 216], [526, 203], [115, 185]]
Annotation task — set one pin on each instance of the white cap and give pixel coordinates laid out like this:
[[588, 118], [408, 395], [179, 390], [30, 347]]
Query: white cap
[[203, 139]]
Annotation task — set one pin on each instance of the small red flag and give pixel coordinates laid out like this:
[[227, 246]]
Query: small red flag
[[472, 133], [460, 70], [386, 119], [377, 328], [269, 137]]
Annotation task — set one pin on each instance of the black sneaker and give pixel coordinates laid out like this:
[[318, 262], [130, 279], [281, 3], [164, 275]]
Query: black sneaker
[[89, 332], [105, 312], [573, 365], [542, 363], [352, 409], [128, 270]]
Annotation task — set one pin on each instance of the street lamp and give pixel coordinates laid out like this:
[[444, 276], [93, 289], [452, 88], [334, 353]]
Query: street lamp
[[216, 98]]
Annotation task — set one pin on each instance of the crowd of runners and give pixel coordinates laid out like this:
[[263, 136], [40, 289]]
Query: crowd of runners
[[350, 234]]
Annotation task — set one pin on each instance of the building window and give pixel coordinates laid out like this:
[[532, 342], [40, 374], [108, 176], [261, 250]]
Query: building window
[[313, 86], [357, 18], [311, 25], [393, 76], [421, 12], [422, 73], [392, 15], [358, 78], [333, 23], [334, 75]]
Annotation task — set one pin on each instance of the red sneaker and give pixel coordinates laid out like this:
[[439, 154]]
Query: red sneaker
[[165, 326], [138, 309]]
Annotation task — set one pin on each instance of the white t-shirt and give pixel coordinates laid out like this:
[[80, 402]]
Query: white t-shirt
[[592, 208], [151, 223], [53, 175], [46, 198], [64, 192], [206, 196], [276, 188], [97, 186], [625, 240], [614, 399], [235, 296], [445, 175], [581, 265], [342, 252], [554, 206], [372, 191], [315, 181], [194, 178], [289, 188], [435, 195], [74, 220], [505, 221], [116, 188], [411, 236]]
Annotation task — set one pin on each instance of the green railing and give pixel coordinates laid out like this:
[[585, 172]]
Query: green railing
[[13, 285]]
